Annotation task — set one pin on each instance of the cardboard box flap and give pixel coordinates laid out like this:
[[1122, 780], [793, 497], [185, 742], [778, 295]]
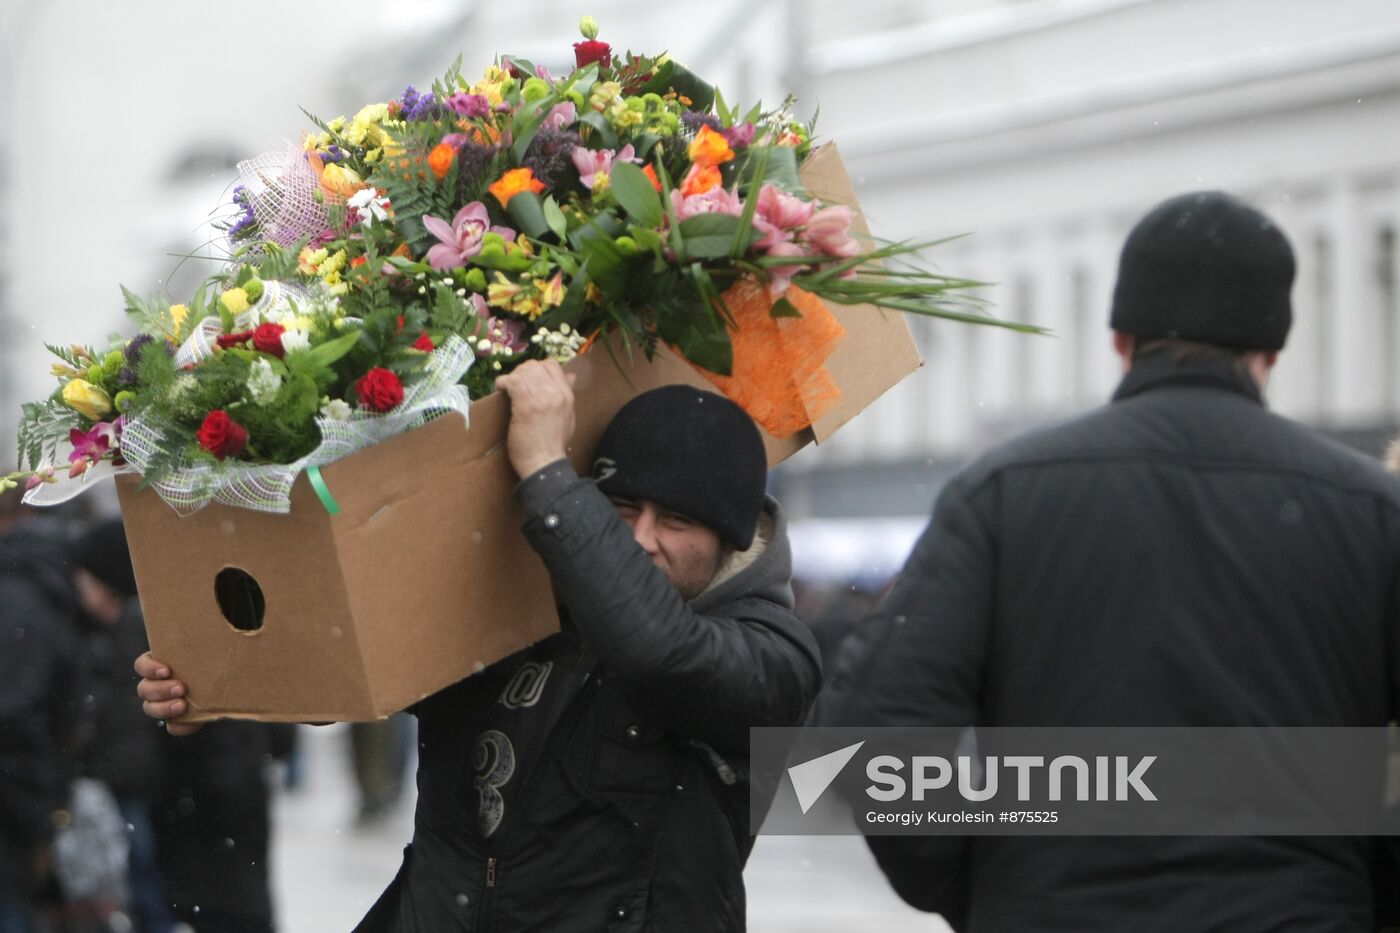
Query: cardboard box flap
[[878, 350]]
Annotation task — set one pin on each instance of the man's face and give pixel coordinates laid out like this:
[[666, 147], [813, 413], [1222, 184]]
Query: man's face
[[686, 551]]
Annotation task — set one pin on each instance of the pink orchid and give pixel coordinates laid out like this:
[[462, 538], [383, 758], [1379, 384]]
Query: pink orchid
[[505, 332], [778, 215], [714, 201], [595, 163], [462, 239]]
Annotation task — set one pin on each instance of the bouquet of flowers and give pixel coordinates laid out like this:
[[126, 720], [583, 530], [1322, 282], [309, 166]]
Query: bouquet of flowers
[[390, 267]]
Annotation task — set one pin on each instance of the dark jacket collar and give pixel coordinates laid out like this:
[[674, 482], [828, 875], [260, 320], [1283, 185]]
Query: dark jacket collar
[[1162, 369]]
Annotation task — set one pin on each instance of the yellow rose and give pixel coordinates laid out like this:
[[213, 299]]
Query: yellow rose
[[87, 399], [339, 181], [235, 300]]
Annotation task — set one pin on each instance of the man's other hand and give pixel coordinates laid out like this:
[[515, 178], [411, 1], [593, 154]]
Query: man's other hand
[[162, 695], [541, 415]]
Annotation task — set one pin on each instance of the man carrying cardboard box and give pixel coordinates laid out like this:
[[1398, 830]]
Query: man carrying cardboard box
[[598, 779]]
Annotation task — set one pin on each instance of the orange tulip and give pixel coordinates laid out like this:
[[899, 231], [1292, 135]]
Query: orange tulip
[[710, 148], [513, 182]]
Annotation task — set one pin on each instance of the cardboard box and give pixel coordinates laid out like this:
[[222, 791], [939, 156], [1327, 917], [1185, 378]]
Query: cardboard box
[[423, 577]]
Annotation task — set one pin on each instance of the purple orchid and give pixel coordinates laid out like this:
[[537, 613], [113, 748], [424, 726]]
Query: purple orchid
[[91, 446], [462, 239]]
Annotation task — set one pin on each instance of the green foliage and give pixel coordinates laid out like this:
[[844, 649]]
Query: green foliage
[[43, 427]]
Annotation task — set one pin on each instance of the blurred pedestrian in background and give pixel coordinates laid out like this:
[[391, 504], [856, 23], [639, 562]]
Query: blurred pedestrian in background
[[1179, 557], [212, 827], [379, 754], [39, 684], [124, 748]]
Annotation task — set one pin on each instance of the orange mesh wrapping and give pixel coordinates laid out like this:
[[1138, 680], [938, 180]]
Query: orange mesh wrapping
[[779, 375]]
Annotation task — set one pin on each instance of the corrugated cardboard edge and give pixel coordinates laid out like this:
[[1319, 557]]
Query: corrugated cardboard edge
[[879, 350]]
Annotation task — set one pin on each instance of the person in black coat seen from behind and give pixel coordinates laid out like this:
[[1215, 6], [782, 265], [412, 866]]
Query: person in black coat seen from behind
[[1179, 557]]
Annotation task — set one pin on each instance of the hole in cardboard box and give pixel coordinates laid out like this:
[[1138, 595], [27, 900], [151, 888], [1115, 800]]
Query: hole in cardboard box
[[240, 599]]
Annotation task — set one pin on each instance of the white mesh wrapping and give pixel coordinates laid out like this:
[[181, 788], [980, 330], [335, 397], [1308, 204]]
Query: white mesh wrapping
[[283, 189], [268, 487], [278, 298], [65, 487]]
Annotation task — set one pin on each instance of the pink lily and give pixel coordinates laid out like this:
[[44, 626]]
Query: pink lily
[[462, 239], [828, 232], [714, 201], [593, 164], [561, 115], [778, 215]]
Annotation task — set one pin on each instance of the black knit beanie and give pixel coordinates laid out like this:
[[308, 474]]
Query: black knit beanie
[[102, 551], [1205, 267], [693, 452]]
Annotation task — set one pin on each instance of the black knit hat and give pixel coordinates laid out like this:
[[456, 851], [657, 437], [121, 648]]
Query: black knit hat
[[1205, 267], [694, 452], [102, 551]]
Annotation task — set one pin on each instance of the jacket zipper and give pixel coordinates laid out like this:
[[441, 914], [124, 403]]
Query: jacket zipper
[[483, 906]]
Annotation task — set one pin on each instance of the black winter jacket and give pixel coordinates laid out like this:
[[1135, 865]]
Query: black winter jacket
[[597, 781], [1178, 557]]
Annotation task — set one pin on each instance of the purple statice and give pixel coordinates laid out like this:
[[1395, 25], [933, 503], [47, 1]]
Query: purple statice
[[694, 119], [332, 155], [243, 198], [548, 156], [415, 106]]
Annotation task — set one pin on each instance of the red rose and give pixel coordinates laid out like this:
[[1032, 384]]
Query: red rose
[[268, 339], [221, 435], [232, 340], [591, 50], [379, 390], [424, 343]]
